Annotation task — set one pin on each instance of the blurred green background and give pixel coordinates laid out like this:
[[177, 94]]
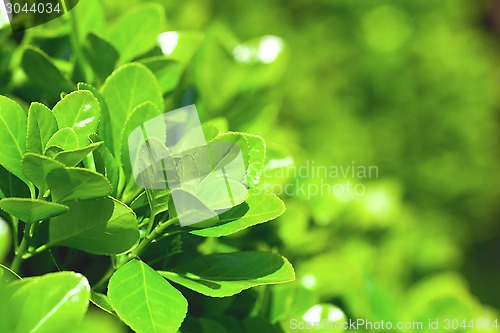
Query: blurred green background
[[410, 87], [406, 87]]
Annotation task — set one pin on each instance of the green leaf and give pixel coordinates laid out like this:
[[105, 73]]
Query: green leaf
[[80, 111], [101, 226], [101, 56], [167, 71], [128, 87], [11, 186], [12, 136], [136, 32], [220, 193], [65, 138], [41, 70], [91, 17], [139, 116], [50, 303], [76, 183], [144, 300], [105, 123], [41, 126], [31, 210], [260, 207], [210, 131], [37, 167], [7, 275], [226, 274], [102, 302], [111, 167], [256, 158], [158, 201], [73, 157]]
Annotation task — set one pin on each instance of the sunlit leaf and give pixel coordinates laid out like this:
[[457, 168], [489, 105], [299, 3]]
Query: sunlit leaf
[[65, 138], [260, 207], [13, 125], [124, 90], [41, 126], [79, 111], [76, 183], [31, 210], [101, 226], [144, 300], [37, 167], [49, 303], [73, 157], [136, 32], [222, 275]]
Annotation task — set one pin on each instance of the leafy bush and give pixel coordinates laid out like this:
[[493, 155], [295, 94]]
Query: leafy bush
[[82, 230]]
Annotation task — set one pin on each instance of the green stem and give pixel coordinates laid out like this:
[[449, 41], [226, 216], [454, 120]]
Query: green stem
[[32, 191], [18, 258], [99, 285], [154, 235], [151, 237], [15, 232], [89, 162], [36, 251]]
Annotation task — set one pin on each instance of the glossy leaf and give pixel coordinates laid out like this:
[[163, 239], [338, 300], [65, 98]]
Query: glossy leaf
[[50, 303], [226, 274], [41, 126], [105, 124], [76, 183], [65, 138], [31, 210], [80, 111], [73, 157], [260, 207], [101, 226], [41, 70], [13, 124], [144, 300], [124, 90], [37, 167], [136, 32]]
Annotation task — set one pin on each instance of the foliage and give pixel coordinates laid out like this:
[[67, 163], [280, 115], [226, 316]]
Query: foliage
[[409, 87], [69, 196]]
